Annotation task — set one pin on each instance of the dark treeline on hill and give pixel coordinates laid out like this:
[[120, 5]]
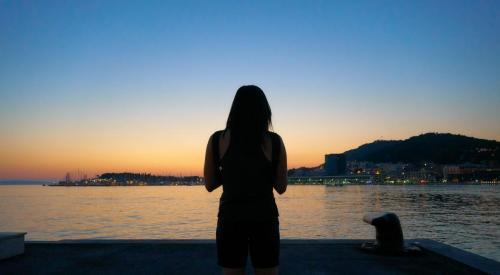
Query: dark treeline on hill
[[435, 147], [144, 177]]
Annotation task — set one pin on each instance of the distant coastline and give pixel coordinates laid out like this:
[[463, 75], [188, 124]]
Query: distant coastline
[[26, 182], [180, 183], [130, 179]]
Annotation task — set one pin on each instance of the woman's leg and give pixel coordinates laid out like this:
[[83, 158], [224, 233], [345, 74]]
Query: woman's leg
[[264, 246], [232, 247], [266, 271], [235, 271]]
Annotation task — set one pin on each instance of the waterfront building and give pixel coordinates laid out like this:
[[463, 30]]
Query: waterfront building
[[335, 164], [470, 173]]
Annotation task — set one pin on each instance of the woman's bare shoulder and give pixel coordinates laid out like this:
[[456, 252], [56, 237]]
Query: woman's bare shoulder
[[219, 133], [223, 137], [274, 135]]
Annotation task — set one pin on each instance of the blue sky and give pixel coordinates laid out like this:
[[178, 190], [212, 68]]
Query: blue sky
[[82, 74]]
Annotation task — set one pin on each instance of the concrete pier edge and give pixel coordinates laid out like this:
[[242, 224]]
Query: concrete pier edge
[[454, 254], [475, 261]]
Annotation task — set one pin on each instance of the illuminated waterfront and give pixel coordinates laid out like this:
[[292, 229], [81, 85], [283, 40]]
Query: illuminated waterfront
[[466, 216]]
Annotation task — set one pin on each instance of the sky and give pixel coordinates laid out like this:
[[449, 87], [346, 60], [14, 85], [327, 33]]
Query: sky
[[112, 86]]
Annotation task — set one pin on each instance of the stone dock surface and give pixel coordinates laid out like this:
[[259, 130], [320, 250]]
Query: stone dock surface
[[199, 257]]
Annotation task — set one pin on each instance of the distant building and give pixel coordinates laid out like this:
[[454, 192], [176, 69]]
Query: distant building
[[335, 164], [470, 173]]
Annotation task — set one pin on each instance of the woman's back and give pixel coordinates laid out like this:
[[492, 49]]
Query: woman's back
[[247, 174]]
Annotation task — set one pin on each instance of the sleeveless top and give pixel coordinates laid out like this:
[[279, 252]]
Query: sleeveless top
[[247, 179]]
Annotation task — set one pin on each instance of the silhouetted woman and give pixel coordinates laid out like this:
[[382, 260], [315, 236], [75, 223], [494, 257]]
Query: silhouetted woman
[[248, 161]]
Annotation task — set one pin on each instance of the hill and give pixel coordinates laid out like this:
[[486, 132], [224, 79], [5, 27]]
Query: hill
[[435, 147]]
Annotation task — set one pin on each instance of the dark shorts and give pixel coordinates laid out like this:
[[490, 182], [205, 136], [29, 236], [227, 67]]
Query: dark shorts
[[236, 239]]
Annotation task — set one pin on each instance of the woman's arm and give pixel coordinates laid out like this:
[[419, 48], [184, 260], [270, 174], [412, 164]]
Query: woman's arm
[[282, 171], [209, 168]]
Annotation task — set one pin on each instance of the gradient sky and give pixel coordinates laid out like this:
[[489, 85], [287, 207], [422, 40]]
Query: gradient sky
[[140, 85]]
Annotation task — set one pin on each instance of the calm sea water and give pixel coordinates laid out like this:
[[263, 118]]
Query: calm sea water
[[465, 216]]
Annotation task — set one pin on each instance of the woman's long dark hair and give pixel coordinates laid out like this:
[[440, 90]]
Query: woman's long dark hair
[[250, 115]]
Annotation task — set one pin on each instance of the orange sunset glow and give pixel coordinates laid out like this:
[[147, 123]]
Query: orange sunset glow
[[50, 154]]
